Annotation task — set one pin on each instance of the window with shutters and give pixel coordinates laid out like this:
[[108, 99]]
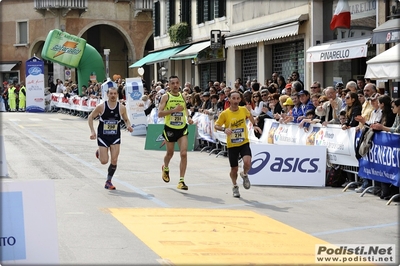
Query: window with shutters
[[186, 12], [289, 57], [220, 8], [249, 64], [156, 19], [209, 9], [170, 6]]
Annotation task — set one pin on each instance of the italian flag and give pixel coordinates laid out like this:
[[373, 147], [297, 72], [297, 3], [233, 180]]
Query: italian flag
[[341, 18]]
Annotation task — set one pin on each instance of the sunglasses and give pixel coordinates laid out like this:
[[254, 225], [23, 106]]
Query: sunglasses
[[348, 97], [256, 96], [313, 87], [262, 95]]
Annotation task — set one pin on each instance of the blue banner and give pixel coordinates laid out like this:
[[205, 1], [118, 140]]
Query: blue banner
[[382, 163]]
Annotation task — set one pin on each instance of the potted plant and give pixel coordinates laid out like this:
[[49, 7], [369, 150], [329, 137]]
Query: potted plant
[[179, 33]]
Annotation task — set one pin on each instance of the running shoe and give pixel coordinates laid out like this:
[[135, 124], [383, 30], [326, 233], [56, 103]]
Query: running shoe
[[97, 154], [235, 191], [182, 185], [165, 174], [246, 181], [109, 185]]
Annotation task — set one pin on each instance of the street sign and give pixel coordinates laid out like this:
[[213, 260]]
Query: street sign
[[215, 39]]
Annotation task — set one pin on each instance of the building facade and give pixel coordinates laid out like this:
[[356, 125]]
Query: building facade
[[201, 40], [124, 27]]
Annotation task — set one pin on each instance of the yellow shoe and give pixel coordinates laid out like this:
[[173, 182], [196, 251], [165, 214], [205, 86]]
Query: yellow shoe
[[165, 174], [182, 185]]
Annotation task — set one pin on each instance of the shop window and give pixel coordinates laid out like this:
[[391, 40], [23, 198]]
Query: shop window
[[249, 65], [22, 32], [211, 71], [289, 57]]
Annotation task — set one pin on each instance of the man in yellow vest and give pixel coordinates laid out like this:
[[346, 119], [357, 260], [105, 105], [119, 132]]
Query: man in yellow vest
[[22, 98], [173, 108], [12, 98]]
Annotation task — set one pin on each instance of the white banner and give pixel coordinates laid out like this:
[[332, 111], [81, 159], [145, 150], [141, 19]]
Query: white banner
[[339, 143], [134, 106], [293, 166], [28, 223], [34, 85]]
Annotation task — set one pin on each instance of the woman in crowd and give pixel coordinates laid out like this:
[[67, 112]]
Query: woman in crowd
[[281, 83], [257, 103], [274, 104], [385, 105], [353, 109], [196, 104]]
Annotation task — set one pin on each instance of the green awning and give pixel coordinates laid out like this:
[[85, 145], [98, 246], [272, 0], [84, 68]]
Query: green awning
[[192, 51], [159, 56]]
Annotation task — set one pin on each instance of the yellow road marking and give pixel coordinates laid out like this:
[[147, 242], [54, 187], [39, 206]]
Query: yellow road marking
[[204, 236]]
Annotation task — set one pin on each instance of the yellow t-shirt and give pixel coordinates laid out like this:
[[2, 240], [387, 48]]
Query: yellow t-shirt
[[175, 120], [236, 121]]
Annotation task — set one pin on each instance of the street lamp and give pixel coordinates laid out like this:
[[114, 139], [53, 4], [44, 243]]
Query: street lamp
[[107, 53]]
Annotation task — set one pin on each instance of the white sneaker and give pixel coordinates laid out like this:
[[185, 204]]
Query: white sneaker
[[246, 181], [235, 190]]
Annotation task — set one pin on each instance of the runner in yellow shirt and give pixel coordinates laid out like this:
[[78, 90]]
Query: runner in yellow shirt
[[173, 108], [233, 122]]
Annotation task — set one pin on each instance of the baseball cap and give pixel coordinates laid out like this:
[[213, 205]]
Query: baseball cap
[[207, 94], [289, 85], [288, 101], [303, 92]]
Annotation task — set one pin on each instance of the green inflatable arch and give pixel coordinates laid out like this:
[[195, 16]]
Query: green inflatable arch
[[71, 51]]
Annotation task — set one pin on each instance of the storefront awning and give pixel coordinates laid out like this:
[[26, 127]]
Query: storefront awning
[[7, 66], [280, 29], [338, 51], [158, 56], [388, 32], [192, 51], [385, 65]]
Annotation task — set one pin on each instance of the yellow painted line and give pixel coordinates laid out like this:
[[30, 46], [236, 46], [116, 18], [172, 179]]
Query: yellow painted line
[[225, 237]]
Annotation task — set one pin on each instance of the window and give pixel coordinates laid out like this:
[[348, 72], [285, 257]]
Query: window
[[186, 12], [156, 19], [210, 9], [171, 13], [22, 32], [220, 8]]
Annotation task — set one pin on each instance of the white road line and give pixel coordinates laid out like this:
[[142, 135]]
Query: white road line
[[14, 119], [35, 119]]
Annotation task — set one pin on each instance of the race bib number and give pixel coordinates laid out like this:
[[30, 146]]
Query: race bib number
[[237, 135], [110, 127], [177, 119]]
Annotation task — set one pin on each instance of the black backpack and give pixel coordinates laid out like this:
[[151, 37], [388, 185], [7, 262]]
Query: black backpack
[[334, 176]]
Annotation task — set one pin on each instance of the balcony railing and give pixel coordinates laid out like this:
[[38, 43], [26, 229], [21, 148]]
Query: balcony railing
[[144, 5], [69, 4]]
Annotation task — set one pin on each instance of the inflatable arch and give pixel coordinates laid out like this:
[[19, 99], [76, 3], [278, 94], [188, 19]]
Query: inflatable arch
[[71, 51]]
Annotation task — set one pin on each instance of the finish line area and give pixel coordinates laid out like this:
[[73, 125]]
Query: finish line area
[[224, 237]]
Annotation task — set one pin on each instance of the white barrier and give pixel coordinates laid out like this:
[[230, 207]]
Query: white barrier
[[272, 165], [3, 160], [77, 103]]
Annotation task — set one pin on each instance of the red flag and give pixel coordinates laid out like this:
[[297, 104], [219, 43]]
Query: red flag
[[341, 18]]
